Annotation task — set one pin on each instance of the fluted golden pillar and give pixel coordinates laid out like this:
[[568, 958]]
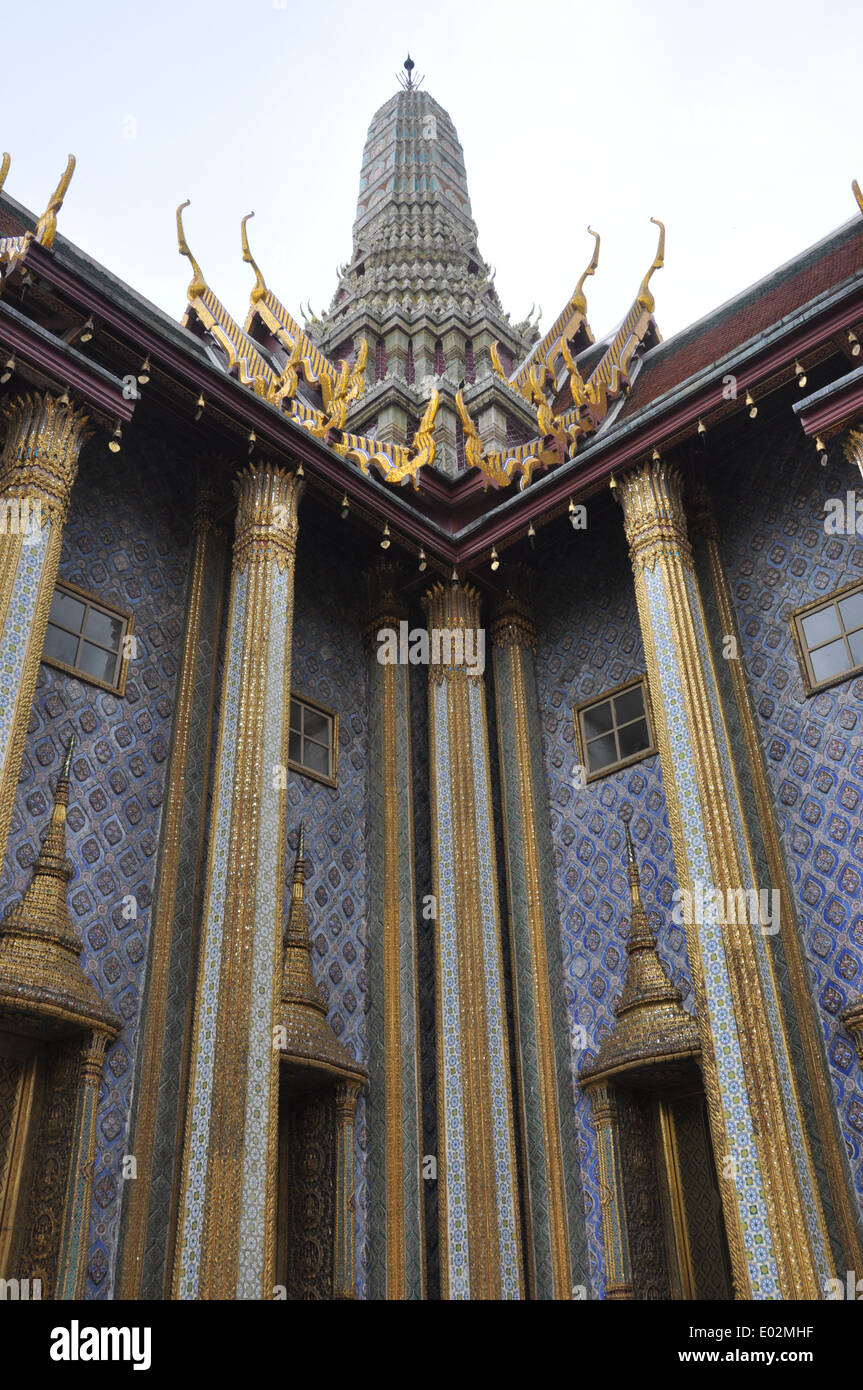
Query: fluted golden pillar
[[344, 1237], [226, 1223], [615, 1237], [163, 1051], [480, 1255], [554, 1204], [773, 1216], [43, 439], [394, 1117], [824, 1131]]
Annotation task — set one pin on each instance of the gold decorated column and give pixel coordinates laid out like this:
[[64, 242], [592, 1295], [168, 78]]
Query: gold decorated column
[[226, 1224], [44, 434], [480, 1254], [344, 1273], [554, 1204], [164, 1048], [615, 1237], [394, 1104], [773, 1216], [825, 1132]]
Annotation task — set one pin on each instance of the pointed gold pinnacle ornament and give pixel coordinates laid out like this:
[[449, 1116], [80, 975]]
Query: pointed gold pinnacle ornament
[[40, 955]]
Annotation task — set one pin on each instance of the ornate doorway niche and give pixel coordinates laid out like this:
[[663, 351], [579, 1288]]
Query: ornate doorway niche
[[662, 1224], [318, 1089]]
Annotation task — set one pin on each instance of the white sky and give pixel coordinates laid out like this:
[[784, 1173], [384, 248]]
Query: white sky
[[738, 124]]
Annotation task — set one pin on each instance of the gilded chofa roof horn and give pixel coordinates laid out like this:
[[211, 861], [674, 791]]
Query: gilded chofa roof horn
[[46, 227], [260, 289], [855, 187], [4, 169], [579, 300], [198, 283], [645, 298]]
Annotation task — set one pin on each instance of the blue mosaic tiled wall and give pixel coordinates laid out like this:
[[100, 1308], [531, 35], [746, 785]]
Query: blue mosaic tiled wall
[[588, 640], [778, 558], [328, 666], [127, 540]]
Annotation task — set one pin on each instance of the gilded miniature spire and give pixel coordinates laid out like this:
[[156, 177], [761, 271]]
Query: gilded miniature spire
[[198, 284], [4, 169], [652, 1024], [644, 297], [260, 289], [40, 968], [306, 1036], [46, 227]]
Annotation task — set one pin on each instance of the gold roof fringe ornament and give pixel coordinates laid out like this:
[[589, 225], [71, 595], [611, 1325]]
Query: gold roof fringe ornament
[[652, 1029], [40, 955], [198, 284], [394, 462], [259, 290], [645, 298], [305, 1037], [46, 227]]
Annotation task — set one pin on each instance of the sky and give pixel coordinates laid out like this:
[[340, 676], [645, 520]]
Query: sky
[[739, 125]]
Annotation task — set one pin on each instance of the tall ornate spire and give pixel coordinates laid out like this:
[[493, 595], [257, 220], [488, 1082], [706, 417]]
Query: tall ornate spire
[[307, 1037], [40, 968], [652, 1026]]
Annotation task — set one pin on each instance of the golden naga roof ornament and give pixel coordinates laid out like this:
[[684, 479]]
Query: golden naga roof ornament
[[645, 298], [394, 462], [260, 288], [4, 169], [472, 440], [46, 227], [579, 300], [855, 188], [198, 284]]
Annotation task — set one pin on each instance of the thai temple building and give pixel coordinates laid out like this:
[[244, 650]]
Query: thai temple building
[[430, 771]]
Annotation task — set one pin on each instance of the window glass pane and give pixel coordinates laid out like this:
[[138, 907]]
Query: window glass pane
[[855, 642], [316, 726], [294, 746], [295, 717], [629, 705], [829, 661], [851, 609], [67, 610], [820, 627], [633, 738], [601, 752], [317, 758], [597, 720], [59, 645], [104, 629], [96, 662]]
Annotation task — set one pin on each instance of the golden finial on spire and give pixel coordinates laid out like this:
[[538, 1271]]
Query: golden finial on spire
[[578, 299], [198, 283], [855, 187], [260, 288], [298, 891], [46, 227], [645, 298], [4, 169]]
